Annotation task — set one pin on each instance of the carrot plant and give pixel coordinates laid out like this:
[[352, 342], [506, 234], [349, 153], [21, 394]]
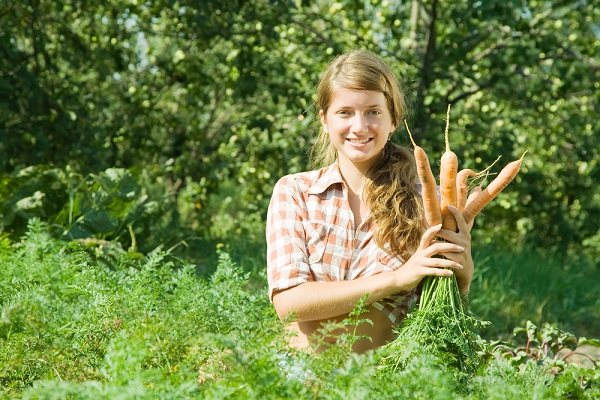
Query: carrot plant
[[88, 324], [440, 326]]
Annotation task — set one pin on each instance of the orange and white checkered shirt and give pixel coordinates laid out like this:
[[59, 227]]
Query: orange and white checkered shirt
[[311, 237]]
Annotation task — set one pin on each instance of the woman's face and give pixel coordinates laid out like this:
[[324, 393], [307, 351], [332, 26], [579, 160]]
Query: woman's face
[[359, 124]]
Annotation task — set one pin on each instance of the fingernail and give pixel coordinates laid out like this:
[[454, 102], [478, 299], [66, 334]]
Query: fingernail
[[460, 248]]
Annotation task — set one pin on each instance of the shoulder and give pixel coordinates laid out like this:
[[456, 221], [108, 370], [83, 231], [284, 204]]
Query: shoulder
[[301, 181]]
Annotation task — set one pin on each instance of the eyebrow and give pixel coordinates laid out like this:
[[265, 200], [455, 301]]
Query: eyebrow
[[370, 106]]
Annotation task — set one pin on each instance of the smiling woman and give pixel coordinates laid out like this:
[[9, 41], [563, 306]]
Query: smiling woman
[[353, 228]]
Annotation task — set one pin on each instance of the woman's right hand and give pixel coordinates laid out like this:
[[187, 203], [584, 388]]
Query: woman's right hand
[[424, 262]]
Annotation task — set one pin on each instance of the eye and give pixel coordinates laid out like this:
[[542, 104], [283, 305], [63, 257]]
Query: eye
[[374, 112], [343, 112]]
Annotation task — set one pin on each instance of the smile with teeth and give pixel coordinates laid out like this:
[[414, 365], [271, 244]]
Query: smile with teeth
[[359, 141]]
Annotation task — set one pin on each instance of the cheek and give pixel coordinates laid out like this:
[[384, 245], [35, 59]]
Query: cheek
[[336, 123], [333, 137]]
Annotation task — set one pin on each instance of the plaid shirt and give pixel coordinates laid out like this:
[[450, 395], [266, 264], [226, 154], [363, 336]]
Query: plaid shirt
[[311, 237]]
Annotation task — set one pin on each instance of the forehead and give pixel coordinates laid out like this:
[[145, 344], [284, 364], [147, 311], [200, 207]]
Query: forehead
[[357, 98]]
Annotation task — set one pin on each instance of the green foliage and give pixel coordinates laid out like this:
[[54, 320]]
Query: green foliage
[[118, 327], [510, 287], [78, 325], [551, 354], [115, 204], [440, 327], [33, 192], [157, 125], [104, 206], [202, 94]]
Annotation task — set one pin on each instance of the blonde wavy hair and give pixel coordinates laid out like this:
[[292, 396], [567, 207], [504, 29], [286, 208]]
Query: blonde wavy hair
[[390, 192]]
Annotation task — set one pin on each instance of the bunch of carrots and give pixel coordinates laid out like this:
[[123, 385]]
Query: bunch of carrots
[[441, 324], [454, 186]]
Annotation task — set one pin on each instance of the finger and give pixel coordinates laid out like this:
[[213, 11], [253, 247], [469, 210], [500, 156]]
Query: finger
[[460, 220], [454, 256], [444, 237], [437, 263], [429, 236], [441, 247], [438, 272]]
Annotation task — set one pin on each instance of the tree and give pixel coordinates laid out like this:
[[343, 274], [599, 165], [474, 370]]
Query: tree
[[200, 95]]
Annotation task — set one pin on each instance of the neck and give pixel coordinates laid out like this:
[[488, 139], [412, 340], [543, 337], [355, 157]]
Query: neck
[[354, 175]]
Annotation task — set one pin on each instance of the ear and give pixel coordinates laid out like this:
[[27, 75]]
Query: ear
[[323, 120]]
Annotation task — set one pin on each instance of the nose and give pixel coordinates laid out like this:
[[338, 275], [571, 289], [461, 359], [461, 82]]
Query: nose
[[360, 123]]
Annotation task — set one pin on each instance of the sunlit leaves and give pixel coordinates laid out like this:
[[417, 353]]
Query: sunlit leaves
[[203, 92]]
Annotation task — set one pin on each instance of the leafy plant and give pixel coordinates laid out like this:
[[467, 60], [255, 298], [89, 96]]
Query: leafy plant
[[32, 192], [440, 327], [112, 205], [75, 326]]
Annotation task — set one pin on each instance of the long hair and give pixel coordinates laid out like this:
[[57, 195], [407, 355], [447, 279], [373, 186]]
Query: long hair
[[390, 192], [393, 201]]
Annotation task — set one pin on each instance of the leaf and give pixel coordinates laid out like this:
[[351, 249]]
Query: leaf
[[30, 203]]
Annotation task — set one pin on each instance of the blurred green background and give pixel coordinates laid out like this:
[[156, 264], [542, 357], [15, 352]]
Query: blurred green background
[[203, 105]]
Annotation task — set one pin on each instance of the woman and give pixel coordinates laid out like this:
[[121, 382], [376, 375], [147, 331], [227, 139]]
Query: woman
[[355, 227]]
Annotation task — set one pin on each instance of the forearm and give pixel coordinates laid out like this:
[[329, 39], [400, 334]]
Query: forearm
[[321, 300]]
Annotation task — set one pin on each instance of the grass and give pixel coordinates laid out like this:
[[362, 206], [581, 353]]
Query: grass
[[512, 287]]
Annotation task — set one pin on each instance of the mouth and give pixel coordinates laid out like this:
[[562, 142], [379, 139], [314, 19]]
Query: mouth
[[360, 141]]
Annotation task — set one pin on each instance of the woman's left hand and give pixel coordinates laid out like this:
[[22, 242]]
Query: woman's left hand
[[461, 238]]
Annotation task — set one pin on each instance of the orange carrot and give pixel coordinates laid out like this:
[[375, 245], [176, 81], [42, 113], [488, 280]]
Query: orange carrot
[[433, 215], [508, 173], [462, 187], [448, 170], [474, 193]]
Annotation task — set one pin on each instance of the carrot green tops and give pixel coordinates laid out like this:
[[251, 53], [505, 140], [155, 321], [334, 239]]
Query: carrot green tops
[[311, 237]]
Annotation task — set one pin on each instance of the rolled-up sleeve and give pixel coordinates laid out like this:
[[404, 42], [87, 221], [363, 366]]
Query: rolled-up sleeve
[[287, 259]]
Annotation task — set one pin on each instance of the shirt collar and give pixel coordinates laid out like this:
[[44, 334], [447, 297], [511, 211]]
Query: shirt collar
[[329, 176]]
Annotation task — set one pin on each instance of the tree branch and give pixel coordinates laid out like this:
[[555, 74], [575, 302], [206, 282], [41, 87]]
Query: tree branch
[[427, 61], [486, 85]]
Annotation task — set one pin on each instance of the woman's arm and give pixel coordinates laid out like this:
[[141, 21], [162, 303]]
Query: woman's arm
[[321, 300]]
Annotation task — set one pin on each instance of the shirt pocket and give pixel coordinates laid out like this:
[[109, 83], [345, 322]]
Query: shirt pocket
[[383, 258], [316, 241], [388, 262]]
